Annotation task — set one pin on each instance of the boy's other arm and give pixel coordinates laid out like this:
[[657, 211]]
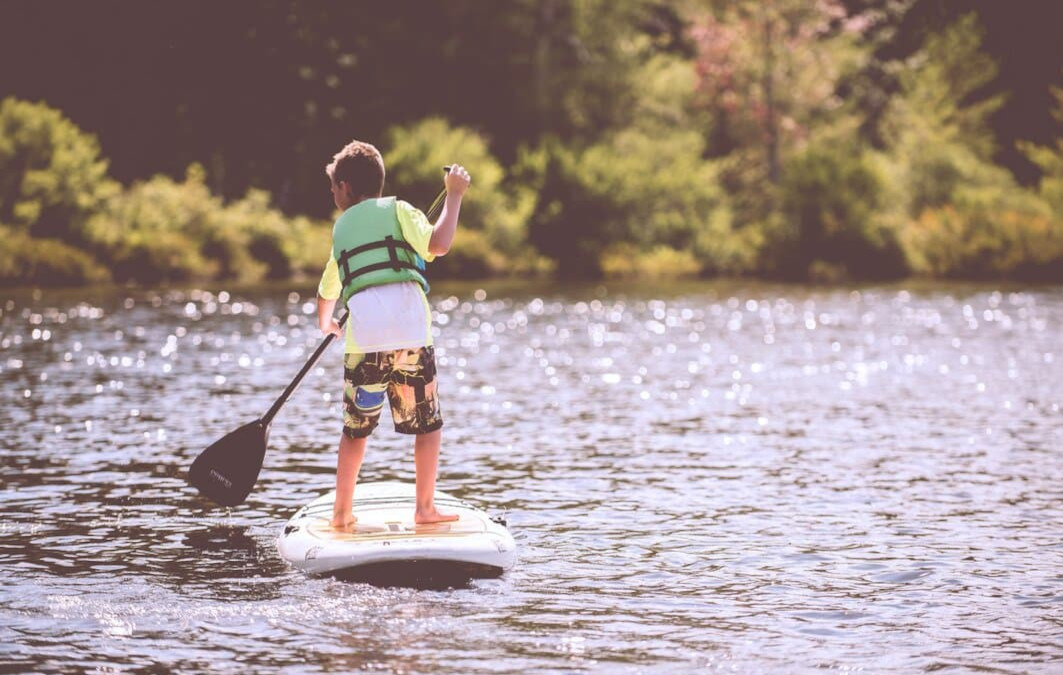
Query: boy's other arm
[[325, 321], [328, 291], [457, 182]]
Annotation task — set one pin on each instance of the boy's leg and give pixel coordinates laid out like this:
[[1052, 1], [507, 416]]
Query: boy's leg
[[349, 462], [415, 409], [363, 397], [426, 463]]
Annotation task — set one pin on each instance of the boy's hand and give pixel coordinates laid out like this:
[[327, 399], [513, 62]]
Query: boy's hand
[[457, 180], [333, 327]]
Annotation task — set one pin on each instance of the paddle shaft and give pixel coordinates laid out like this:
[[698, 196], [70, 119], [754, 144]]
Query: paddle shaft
[[437, 203], [294, 384]]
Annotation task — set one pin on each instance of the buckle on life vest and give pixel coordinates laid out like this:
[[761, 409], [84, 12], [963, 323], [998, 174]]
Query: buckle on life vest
[[394, 262]]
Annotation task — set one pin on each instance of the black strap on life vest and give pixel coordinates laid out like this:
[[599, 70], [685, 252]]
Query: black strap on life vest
[[394, 262]]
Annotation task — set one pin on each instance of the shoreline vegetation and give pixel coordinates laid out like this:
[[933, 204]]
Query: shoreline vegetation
[[712, 168]]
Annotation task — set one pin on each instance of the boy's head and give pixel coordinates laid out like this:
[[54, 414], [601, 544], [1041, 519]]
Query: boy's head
[[356, 173]]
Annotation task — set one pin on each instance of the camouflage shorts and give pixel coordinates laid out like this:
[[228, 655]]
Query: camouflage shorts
[[407, 377]]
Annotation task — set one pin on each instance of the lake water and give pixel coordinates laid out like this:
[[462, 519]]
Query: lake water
[[700, 478]]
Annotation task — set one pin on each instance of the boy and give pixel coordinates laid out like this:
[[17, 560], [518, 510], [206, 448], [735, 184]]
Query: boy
[[379, 245]]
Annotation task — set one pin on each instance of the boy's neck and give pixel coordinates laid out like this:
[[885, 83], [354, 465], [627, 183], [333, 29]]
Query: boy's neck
[[359, 200]]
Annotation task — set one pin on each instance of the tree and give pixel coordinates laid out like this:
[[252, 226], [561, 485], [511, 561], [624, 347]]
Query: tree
[[936, 128], [1050, 160], [769, 71], [961, 214], [492, 236], [51, 175]]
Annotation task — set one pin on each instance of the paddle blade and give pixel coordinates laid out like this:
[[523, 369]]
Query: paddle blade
[[226, 472]]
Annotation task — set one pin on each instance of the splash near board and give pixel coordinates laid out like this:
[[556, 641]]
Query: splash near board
[[386, 545]]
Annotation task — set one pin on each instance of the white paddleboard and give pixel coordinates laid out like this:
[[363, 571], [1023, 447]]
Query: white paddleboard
[[386, 541]]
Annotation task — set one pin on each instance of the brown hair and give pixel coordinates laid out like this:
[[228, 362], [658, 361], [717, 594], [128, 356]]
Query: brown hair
[[360, 166]]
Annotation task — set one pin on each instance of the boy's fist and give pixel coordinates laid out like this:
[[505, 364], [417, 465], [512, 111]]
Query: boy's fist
[[333, 327], [457, 180]]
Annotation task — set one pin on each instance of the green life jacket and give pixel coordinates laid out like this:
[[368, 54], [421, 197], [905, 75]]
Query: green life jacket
[[369, 249]]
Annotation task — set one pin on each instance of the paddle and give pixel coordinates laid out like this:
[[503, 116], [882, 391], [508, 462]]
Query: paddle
[[227, 470]]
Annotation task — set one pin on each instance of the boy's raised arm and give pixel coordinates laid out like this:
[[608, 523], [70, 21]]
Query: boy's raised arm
[[457, 182]]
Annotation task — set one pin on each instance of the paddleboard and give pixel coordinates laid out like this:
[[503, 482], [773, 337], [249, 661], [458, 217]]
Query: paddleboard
[[385, 543]]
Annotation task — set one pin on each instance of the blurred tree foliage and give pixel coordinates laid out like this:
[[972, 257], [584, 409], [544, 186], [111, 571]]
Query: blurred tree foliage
[[45, 262], [51, 175], [831, 224], [263, 92], [961, 214], [770, 76], [642, 190], [161, 230], [769, 71], [492, 238], [940, 143], [1050, 160], [645, 138]]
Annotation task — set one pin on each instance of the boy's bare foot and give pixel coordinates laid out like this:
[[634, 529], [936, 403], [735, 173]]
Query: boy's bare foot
[[432, 515], [343, 524]]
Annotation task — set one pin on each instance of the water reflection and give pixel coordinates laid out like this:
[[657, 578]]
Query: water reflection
[[752, 478]]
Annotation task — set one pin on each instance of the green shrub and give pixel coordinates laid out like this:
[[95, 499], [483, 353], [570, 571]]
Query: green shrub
[[963, 216], [624, 261], [958, 214], [639, 188], [51, 176], [1050, 160], [161, 230], [275, 246], [499, 212], [1011, 236], [470, 257], [831, 201], [27, 261]]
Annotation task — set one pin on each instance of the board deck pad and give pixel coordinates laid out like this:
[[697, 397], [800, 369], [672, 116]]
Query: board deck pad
[[373, 530], [385, 537]]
